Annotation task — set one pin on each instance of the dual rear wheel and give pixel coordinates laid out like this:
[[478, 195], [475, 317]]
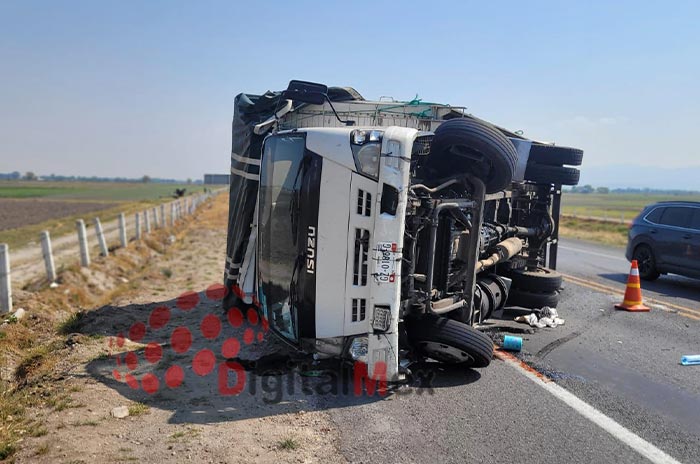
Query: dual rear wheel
[[534, 289]]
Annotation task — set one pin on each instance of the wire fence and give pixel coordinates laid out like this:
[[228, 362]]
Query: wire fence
[[32, 262]]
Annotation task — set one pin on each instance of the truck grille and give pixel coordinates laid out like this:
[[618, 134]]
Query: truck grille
[[359, 309], [364, 203], [421, 147], [359, 272]]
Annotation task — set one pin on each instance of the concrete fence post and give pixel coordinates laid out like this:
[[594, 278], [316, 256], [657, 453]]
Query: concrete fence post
[[155, 218], [122, 230], [622, 218], [104, 251], [137, 225], [146, 222], [162, 215], [172, 214], [5, 283], [48, 256], [83, 242]]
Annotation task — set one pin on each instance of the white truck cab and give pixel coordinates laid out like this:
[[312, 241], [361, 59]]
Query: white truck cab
[[388, 235], [330, 235]]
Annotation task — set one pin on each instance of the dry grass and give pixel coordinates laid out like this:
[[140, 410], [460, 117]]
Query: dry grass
[[190, 432], [72, 324], [288, 444], [35, 345], [42, 450], [37, 363], [594, 231], [138, 409], [214, 213], [22, 236]]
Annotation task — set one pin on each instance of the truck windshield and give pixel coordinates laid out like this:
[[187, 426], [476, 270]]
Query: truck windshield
[[278, 259]]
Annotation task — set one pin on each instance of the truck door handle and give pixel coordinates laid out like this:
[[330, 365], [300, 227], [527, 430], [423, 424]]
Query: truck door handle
[[652, 231], [687, 236]]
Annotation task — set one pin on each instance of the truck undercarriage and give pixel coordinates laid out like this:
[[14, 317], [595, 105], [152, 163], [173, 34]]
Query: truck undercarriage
[[455, 220]]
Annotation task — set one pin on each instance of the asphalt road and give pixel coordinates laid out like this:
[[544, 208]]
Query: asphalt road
[[618, 392]]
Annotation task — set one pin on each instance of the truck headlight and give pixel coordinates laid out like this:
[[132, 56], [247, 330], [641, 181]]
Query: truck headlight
[[359, 348], [382, 318], [366, 149]]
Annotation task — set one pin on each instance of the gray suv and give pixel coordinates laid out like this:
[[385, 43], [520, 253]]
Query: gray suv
[[665, 238]]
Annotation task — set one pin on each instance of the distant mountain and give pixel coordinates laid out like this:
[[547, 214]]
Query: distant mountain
[[653, 177]]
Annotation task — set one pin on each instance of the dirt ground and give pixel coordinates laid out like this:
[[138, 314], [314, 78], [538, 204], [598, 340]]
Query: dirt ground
[[21, 212], [166, 350]]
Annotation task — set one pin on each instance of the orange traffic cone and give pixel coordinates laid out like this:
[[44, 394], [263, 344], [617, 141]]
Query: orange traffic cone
[[633, 293]]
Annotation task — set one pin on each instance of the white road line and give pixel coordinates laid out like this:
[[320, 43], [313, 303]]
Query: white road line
[[640, 445], [602, 255]]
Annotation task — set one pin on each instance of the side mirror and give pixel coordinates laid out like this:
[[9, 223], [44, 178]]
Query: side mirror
[[307, 92]]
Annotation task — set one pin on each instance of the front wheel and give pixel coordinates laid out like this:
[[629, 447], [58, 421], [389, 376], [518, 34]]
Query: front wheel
[[646, 262], [449, 341]]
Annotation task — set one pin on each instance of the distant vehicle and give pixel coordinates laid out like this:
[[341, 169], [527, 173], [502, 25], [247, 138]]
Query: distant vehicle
[[665, 238]]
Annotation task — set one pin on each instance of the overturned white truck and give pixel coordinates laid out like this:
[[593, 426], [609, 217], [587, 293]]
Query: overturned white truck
[[383, 232]]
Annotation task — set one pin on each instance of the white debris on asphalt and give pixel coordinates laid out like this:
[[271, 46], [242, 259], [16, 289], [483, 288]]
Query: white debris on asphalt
[[548, 317]]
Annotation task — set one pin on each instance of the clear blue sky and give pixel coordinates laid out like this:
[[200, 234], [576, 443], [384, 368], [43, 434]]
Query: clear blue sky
[[119, 88]]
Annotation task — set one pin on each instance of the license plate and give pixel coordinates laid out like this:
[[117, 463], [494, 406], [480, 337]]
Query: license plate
[[385, 259]]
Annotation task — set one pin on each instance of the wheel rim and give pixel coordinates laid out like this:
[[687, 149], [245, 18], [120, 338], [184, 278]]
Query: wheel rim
[[445, 353], [643, 257]]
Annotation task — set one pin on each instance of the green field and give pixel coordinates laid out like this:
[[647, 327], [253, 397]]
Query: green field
[[91, 191], [29, 207], [613, 206]]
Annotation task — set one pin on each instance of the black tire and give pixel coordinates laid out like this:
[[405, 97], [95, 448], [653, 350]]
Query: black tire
[[646, 262], [449, 341], [555, 156], [532, 300], [472, 146], [545, 174], [540, 280]]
